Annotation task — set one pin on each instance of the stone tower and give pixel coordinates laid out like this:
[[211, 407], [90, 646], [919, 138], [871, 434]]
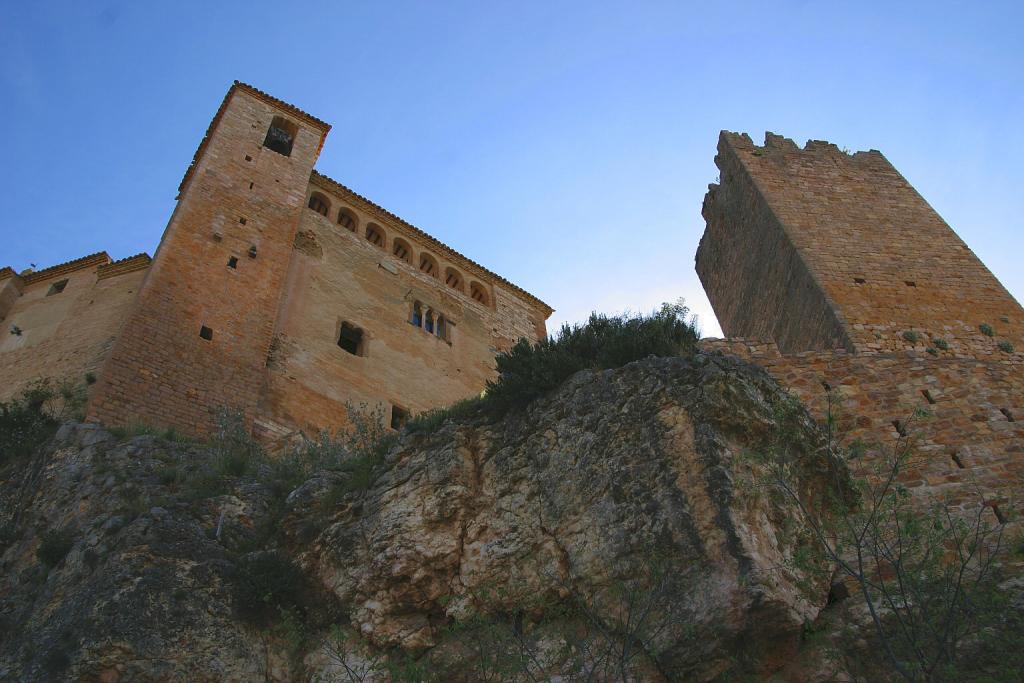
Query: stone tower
[[816, 249], [202, 325]]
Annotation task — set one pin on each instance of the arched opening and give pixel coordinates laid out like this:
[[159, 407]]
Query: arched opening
[[453, 279], [428, 322], [442, 328], [375, 235], [477, 291], [281, 136], [347, 220], [319, 203], [417, 314], [428, 264], [401, 249]]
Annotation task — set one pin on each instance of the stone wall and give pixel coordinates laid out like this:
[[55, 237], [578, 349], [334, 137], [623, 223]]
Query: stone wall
[[969, 446], [64, 334], [240, 200], [796, 235]]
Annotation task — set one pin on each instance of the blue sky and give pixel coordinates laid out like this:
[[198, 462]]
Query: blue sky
[[565, 145]]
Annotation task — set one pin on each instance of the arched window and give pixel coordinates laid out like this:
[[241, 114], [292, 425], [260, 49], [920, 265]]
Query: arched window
[[417, 314], [453, 279], [347, 220], [281, 136], [375, 235], [442, 328], [401, 249], [428, 264], [319, 203], [428, 324], [477, 291]]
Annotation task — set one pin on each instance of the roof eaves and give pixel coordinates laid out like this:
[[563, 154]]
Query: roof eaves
[[335, 185], [97, 259]]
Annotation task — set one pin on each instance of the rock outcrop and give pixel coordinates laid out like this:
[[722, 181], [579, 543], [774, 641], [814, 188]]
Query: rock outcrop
[[619, 523]]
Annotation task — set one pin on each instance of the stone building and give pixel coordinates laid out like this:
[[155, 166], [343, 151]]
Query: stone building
[[275, 290], [829, 268]]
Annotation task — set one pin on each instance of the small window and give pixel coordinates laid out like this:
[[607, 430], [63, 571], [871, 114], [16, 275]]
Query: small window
[[859, 280], [233, 262], [374, 235], [57, 287], [347, 220], [351, 339], [428, 264], [205, 333], [319, 203], [417, 314], [281, 136], [442, 328], [399, 416], [453, 279], [910, 283], [428, 324], [477, 291], [402, 250]]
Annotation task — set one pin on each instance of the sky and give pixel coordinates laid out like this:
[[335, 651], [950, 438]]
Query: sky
[[566, 146]]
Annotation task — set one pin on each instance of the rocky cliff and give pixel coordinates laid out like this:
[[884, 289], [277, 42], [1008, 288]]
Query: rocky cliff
[[614, 530]]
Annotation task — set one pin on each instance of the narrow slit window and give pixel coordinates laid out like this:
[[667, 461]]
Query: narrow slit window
[[57, 287], [281, 136], [351, 339], [233, 262], [399, 416], [205, 333]]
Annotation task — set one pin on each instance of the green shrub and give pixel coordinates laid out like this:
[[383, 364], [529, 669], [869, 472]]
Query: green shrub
[[940, 344], [431, 420], [528, 370], [910, 336], [54, 546], [1005, 346], [27, 420], [267, 583], [932, 351], [986, 329]]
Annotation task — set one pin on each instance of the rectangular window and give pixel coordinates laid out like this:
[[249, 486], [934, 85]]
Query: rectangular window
[[281, 136], [351, 339], [205, 333], [399, 416]]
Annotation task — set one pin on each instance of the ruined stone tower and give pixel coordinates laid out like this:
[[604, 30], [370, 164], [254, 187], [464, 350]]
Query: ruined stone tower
[[815, 248]]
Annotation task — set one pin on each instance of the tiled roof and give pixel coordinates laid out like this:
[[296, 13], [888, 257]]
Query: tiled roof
[[259, 94], [332, 184], [125, 265], [97, 259]]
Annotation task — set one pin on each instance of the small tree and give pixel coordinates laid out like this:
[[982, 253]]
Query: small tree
[[928, 575]]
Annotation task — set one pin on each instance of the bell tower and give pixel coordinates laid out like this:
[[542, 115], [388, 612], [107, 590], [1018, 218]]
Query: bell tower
[[201, 328]]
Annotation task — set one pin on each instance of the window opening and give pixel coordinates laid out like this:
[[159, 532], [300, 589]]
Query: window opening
[[442, 328], [417, 315], [429, 324], [477, 292], [401, 250], [347, 220], [233, 262], [319, 204], [281, 136], [205, 333], [57, 287], [910, 283], [859, 280], [351, 339], [453, 279], [374, 235], [428, 265], [399, 416]]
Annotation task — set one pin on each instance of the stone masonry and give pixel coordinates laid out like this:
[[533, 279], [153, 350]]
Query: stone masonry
[[275, 291], [828, 269]]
